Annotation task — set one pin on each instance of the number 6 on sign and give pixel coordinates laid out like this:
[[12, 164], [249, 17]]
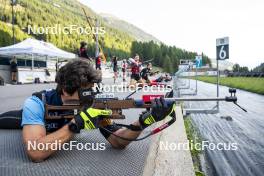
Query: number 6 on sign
[[222, 48], [222, 53]]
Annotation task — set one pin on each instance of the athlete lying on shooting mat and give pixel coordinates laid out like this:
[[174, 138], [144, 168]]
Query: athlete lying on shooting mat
[[70, 79]]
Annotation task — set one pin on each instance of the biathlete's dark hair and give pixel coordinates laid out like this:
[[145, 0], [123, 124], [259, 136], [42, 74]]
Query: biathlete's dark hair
[[75, 75]]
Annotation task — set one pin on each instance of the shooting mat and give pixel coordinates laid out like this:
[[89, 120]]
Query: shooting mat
[[129, 161]]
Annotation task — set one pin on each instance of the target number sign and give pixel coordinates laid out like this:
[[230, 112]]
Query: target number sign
[[222, 48]]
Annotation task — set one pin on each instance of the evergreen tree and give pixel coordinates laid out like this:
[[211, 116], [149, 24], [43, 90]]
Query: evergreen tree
[[167, 64]]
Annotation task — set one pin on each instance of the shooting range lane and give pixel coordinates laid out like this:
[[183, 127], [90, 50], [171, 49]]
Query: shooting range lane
[[130, 161], [245, 129], [108, 162]]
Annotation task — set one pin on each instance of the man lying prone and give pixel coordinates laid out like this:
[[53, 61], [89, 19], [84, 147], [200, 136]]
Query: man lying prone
[[72, 77]]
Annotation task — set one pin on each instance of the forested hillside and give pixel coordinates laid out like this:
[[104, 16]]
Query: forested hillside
[[48, 13], [115, 41]]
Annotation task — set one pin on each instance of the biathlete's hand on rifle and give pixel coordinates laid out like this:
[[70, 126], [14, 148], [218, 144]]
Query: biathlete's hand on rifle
[[89, 118], [160, 110]]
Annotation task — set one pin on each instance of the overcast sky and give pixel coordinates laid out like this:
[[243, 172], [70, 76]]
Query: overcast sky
[[195, 24]]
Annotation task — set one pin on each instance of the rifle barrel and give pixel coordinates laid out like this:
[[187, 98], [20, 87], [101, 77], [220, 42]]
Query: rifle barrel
[[196, 99]]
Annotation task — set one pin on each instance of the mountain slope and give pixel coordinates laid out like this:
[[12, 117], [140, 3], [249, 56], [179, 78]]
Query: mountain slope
[[128, 28], [120, 38], [49, 13]]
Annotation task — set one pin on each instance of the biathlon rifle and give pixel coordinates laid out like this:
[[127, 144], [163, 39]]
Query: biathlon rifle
[[97, 100], [87, 98]]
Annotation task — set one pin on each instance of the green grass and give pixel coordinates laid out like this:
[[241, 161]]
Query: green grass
[[255, 85], [193, 137]]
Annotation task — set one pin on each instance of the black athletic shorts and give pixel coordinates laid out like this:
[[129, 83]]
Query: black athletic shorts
[[135, 77], [98, 67], [11, 120], [145, 78]]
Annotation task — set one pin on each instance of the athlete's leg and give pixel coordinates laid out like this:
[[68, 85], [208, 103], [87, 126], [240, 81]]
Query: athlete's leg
[[11, 120]]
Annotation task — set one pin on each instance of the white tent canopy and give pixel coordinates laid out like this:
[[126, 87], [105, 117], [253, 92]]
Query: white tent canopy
[[35, 47]]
